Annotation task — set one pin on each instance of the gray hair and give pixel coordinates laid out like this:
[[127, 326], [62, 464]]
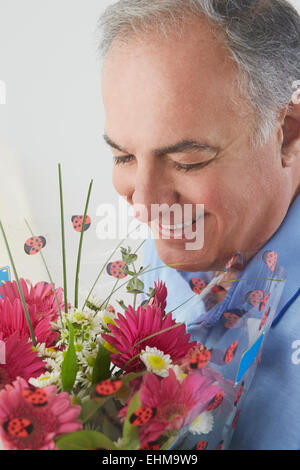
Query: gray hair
[[263, 37]]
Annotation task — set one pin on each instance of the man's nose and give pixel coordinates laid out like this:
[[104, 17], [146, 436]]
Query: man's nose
[[152, 189]]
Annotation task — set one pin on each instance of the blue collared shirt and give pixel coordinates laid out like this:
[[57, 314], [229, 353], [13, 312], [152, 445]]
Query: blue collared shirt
[[270, 414]]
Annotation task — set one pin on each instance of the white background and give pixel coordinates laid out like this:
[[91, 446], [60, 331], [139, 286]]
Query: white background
[[53, 113]]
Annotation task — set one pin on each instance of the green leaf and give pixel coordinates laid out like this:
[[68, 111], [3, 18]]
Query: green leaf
[[121, 303], [85, 440], [69, 366], [135, 286], [126, 271], [131, 433], [88, 409], [127, 256], [168, 442], [101, 366]]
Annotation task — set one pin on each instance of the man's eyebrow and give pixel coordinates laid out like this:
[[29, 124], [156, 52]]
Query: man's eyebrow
[[179, 147]]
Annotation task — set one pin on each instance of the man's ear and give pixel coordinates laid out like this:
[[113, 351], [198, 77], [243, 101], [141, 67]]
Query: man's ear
[[290, 134]]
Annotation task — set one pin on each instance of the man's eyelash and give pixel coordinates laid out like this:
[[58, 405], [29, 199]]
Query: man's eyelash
[[186, 167], [125, 159], [178, 166]]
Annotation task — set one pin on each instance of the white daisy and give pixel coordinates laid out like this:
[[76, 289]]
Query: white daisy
[[156, 361], [203, 424], [180, 375], [48, 378]]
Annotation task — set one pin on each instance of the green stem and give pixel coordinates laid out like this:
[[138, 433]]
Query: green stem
[[63, 238], [19, 287], [105, 264], [80, 246], [49, 275], [113, 290]]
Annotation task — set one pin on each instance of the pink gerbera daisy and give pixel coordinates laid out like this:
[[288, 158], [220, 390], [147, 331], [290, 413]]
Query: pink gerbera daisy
[[160, 296], [133, 326], [12, 319], [173, 404], [41, 296], [20, 360], [31, 417]]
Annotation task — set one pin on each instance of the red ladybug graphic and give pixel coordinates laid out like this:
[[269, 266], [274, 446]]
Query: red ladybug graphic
[[197, 285], [33, 245], [200, 358], [231, 317], [18, 427], [264, 318], [239, 394], [142, 416], [235, 419], [254, 297], [201, 445], [229, 355], [150, 446], [111, 309], [270, 258], [220, 445], [263, 302], [77, 222], [215, 402], [35, 396], [108, 387], [216, 289], [115, 269]]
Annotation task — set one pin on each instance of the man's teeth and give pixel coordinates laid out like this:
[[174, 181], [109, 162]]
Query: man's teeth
[[178, 226]]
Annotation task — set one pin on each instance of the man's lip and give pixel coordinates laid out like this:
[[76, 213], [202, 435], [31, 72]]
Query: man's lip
[[179, 232], [171, 226]]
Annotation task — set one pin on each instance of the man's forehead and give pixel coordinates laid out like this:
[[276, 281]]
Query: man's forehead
[[196, 39]]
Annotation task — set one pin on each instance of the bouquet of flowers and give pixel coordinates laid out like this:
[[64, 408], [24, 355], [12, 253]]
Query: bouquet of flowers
[[93, 378]]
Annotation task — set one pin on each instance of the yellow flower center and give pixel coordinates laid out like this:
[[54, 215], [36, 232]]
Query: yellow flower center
[[196, 421], [109, 320], [156, 362], [50, 350]]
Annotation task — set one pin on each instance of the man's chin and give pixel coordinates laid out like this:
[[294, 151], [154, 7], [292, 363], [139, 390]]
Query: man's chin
[[177, 257]]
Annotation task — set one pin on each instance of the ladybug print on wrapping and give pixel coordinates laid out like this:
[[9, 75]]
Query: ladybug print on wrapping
[[142, 416], [231, 317], [229, 354], [35, 396], [263, 302], [235, 419], [254, 297], [230, 263], [264, 318], [215, 402], [197, 285], [115, 269], [239, 394], [33, 245], [108, 387], [200, 358], [18, 427], [201, 445], [77, 222], [216, 289], [270, 258]]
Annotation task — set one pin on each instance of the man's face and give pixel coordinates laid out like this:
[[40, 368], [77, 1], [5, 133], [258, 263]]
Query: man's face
[[158, 93]]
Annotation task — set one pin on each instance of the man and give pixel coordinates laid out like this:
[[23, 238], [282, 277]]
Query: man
[[199, 110]]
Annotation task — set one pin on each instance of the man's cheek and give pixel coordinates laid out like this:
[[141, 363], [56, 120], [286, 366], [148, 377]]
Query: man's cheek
[[121, 183]]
